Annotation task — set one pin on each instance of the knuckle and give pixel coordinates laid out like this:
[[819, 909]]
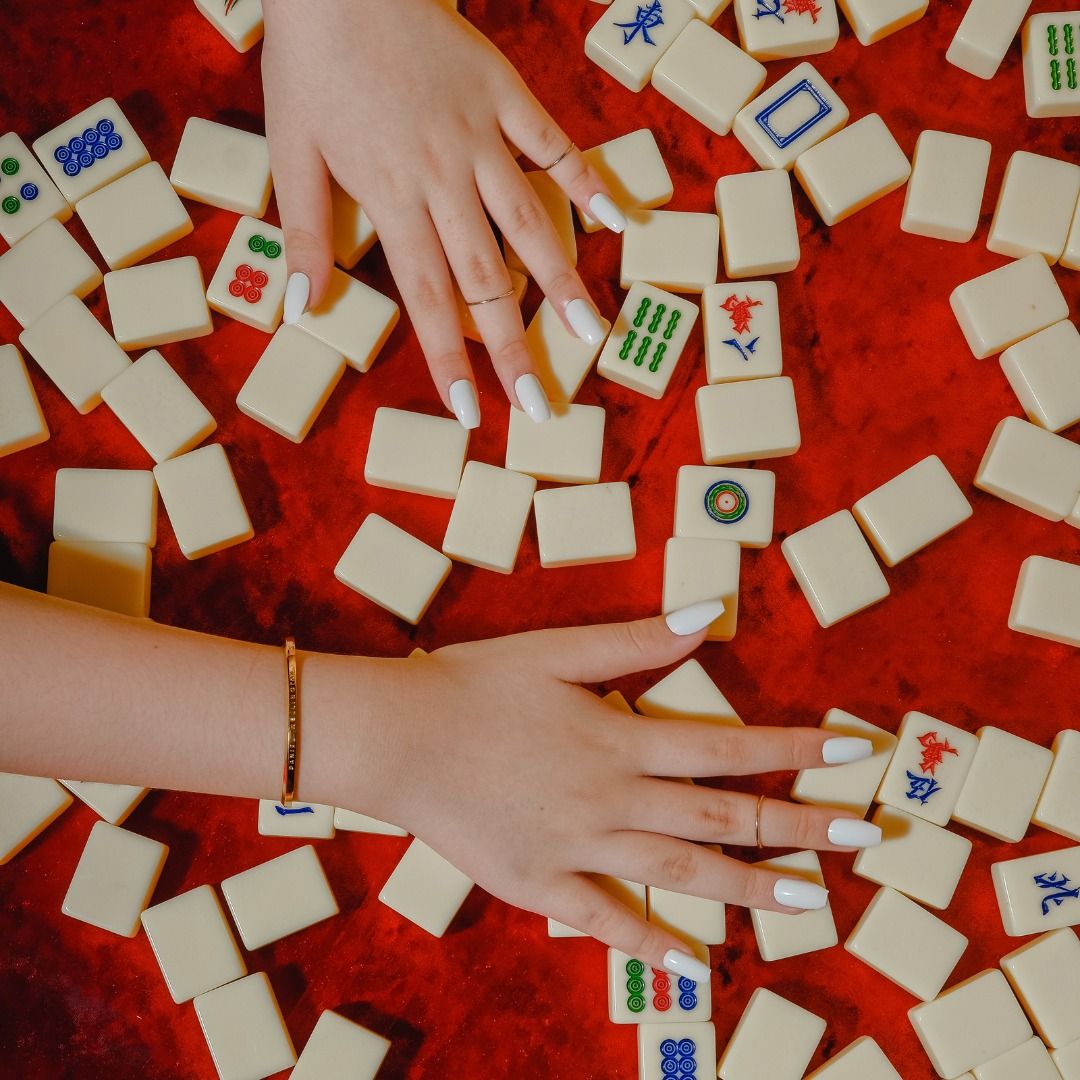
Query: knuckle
[[486, 274], [679, 868], [448, 362], [526, 217], [563, 283], [513, 355], [601, 921], [750, 888], [637, 639], [429, 294], [805, 832], [731, 752], [717, 817], [550, 138]]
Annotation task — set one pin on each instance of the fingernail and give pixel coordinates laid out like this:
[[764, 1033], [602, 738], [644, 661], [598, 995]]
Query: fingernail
[[689, 620], [854, 832], [607, 213], [532, 399], [463, 402], [805, 895], [680, 963], [842, 751], [585, 321], [296, 297]]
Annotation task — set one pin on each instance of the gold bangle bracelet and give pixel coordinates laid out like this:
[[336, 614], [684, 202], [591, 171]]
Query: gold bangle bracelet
[[292, 726]]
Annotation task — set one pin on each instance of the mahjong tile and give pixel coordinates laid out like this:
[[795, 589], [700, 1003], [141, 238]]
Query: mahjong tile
[[1030, 1060], [350, 821], [638, 994], [158, 304], [748, 421], [780, 935], [725, 504], [415, 452], [861, 1060], [223, 166], [566, 449], [677, 1051], [28, 196], [1051, 48], [1035, 206], [111, 802], [945, 192], [774, 1038], [426, 889], [1047, 600], [338, 1049], [696, 569], [239, 23], [22, 423], [489, 517], [1067, 1061], [742, 331], [1038, 892], [249, 284], [698, 920], [105, 504], [562, 359], [30, 805], [629, 38], [630, 894], [670, 249], [584, 524], [110, 575], [1044, 372], [780, 29], [872, 20], [634, 172], [688, 694], [309, 820], [1059, 805], [1045, 975], [984, 35], [354, 234], [757, 223]]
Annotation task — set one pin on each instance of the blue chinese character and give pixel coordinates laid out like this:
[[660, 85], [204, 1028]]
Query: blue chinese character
[[765, 9], [647, 18], [922, 787], [1059, 882], [745, 351], [284, 812]]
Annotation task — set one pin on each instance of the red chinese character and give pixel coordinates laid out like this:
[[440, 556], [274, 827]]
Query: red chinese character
[[934, 752], [739, 311], [802, 7]]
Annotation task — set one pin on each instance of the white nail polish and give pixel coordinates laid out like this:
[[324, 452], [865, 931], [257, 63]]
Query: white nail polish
[[463, 402], [607, 213], [854, 832], [680, 963], [584, 320], [532, 399], [804, 895], [296, 297], [842, 751], [689, 620]]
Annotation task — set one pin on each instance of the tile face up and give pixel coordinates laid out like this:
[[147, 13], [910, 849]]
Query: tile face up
[[1045, 974], [748, 421], [158, 303], [1059, 806], [340, 1050], [1044, 372], [634, 172], [1035, 207], [742, 331], [22, 423], [426, 889], [944, 195], [671, 249], [249, 283], [27, 196], [1039, 892], [567, 449], [757, 223], [685, 1051], [312, 821], [489, 517], [584, 524], [638, 994], [241, 25], [775, 1038], [223, 166], [780, 29], [414, 452], [725, 504], [688, 694], [780, 936], [30, 805], [1050, 42], [630, 37]]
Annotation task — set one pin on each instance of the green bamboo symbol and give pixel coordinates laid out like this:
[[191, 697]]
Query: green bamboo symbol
[[658, 356], [1070, 67], [642, 311], [1051, 35], [627, 345], [1055, 74], [646, 342], [657, 318], [1068, 39], [673, 322]]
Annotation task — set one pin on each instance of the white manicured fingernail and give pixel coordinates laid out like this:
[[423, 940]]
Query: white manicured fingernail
[[585, 321], [854, 832], [296, 297], [842, 751], [532, 399], [689, 620], [804, 895], [680, 963], [463, 402], [607, 213]]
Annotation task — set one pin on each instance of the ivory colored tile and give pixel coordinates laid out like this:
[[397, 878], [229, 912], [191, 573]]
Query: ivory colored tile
[[312, 821], [984, 35], [393, 569], [352, 319], [852, 169], [117, 505], [249, 283], [90, 150], [1035, 207], [1045, 975], [241, 25], [617, 701], [709, 10], [945, 192], [653, 326], [696, 919], [634, 171], [774, 1038], [415, 452], [291, 383], [921, 860], [1039, 892], [193, 944], [223, 166], [1031, 1060], [1031, 468], [872, 20], [338, 1049], [780, 936], [114, 880], [566, 449], [835, 568], [707, 76], [628, 893], [556, 204], [354, 234], [742, 331], [907, 944], [134, 217], [28, 197], [638, 994], [685, 1051], [1067, 1061], [970, 1024], [748, 421], [1003, 785], [350, 821], [928, 769], [22, 423], [861, 1060], [157, 407], [426, 889], [75, 351], [112, 576], [1047, 600], [1050, 42], [204, 504], [1044, 372], [1070, 258], [670, 249], [725, 504], [696, 569], [158, 303], [998, 309], [43, 268], [518, 282], [757, 223], [562, 359], [584, 524], [688, 694], [1059, 805], [852, 786], [912, 510], [111, 802], [795, 113], [30, 805], [489, 517], [780, 29], [242, 1024], [629, 38], [279, 897]]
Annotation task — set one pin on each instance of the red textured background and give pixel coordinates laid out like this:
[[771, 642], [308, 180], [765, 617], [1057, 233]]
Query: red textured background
[[883, 378]]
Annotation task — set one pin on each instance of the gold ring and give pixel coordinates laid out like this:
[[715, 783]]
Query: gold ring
[[559, 158], [490, 299], [757, 820]]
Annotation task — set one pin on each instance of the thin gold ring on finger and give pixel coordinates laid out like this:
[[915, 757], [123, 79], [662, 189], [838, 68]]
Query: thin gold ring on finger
[[568, 150], [757, 821], [490, 299]]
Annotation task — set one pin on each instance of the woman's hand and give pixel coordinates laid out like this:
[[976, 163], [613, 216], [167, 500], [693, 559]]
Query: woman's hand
[[410, 109]]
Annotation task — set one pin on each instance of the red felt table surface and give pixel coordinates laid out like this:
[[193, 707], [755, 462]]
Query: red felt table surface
[[883, 378]]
